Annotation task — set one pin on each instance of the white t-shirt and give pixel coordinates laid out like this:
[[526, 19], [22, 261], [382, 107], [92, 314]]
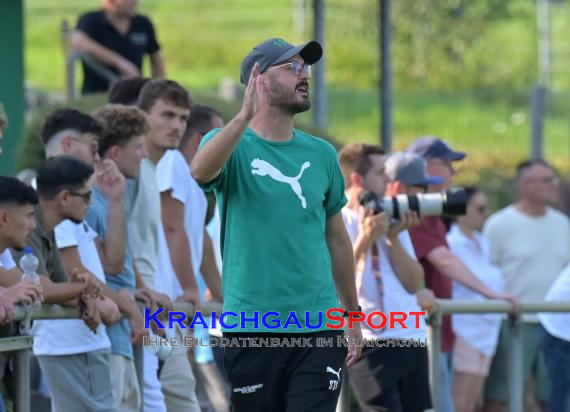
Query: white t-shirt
[[144, 221], [396, 298], [481, 330], [558, 324], [6, 260], [72, 336], [530, 250], [173, 173], [213, 229]]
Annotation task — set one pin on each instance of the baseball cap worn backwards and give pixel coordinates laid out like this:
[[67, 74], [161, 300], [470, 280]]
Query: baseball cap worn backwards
[[275, 51], [431, 147], [410, 169]]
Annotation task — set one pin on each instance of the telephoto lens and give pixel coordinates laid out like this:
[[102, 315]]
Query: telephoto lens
[[451, 202]]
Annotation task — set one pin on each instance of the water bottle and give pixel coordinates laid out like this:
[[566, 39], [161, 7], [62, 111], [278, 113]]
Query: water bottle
[[29, 266]]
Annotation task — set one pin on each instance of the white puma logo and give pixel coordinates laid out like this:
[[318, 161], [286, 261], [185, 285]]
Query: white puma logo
[[331, 370], [333, 383], [263, 168]]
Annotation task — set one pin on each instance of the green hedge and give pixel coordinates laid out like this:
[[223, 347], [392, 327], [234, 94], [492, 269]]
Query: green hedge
[[31, 151]]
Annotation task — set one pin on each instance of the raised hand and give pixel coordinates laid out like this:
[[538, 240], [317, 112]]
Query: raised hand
[[109, 179], [254, 94]]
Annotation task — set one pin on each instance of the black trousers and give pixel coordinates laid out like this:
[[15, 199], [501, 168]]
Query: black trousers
[[394, 379], [285, 378]]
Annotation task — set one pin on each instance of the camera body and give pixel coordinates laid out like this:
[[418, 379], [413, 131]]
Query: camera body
[[451, 202]]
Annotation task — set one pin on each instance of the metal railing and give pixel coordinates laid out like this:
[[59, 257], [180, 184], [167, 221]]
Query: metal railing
[[71, 59], [22, 343], [516, 384], [92, 63]]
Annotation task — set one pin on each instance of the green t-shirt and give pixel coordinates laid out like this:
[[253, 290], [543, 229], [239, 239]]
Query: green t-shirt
[[274, 200]]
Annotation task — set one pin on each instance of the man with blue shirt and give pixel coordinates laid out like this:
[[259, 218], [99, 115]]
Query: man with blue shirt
[[122, 143], [284, 244]]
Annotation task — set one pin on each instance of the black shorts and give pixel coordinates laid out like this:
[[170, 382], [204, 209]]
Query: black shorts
[[285, 378], [394, 379]]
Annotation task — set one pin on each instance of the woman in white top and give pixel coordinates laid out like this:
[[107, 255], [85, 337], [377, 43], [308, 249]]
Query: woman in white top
[[477, 334]]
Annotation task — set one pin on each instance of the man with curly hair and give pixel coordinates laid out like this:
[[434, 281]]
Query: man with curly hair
[[123, 144]]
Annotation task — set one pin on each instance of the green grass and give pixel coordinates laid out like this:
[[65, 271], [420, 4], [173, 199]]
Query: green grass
[[205, 40]]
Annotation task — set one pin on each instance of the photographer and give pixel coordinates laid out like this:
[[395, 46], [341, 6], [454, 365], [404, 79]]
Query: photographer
[[440, 264], [387, 276]]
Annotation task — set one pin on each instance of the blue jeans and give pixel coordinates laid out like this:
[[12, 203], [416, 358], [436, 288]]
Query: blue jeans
[[557, 356], [445, 381]]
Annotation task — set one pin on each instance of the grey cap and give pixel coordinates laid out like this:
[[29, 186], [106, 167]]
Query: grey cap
[[410, 169], [275, 51]]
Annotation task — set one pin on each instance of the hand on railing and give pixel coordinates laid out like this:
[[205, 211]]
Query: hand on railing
[[24, 291], [147, 296], [127, 69], [191, 296], [509, 297], [6, 308], [137, 329], [426, 300], [109, 310], [89, 312], [92, 287]]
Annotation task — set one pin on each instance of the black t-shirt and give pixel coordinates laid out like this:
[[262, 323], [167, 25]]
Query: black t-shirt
[[139, 40]]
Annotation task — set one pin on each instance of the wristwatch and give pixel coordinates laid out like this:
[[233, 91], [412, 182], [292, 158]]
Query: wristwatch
[[346, 312]]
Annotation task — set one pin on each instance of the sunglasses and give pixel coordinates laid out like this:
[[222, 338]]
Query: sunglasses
[[296, 67], [85, 196]]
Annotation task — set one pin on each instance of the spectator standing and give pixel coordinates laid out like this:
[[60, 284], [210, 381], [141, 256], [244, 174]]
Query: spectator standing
[[530, 242], [387, 277], [203, 119], [168, 106], [123, 144], [118, 37], [476, 334], [17, 202], [441, 266], [285, 246], [555, 344]]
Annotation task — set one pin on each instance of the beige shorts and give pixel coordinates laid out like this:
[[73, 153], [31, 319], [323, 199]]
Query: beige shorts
[[467, 359]]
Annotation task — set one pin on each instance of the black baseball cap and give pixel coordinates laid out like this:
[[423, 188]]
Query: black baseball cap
[[275, 51], [431, 147]]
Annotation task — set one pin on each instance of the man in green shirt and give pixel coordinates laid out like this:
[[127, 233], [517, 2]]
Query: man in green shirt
[[285, 248]]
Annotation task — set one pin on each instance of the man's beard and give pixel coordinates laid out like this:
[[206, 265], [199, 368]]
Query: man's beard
[[287, 101]]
